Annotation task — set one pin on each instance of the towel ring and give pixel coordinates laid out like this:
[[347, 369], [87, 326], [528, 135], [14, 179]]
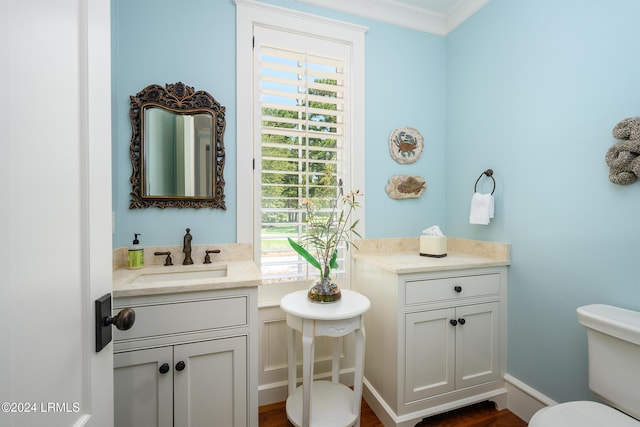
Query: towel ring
[[489, 173]]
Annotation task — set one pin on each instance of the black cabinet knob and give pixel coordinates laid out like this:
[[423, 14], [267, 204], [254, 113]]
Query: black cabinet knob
[[180, 366], [462, 321], [164, 368], [454, 322], [457, 288]]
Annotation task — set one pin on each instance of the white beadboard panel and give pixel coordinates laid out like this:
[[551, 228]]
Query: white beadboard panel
[[274, 341], [272, 366]]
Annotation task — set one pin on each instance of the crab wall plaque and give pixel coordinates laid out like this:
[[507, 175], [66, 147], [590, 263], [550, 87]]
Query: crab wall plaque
[[405, 145]]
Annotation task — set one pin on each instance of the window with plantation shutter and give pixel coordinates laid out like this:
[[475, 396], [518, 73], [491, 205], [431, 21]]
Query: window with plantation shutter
[[302, 150], [300, 134]]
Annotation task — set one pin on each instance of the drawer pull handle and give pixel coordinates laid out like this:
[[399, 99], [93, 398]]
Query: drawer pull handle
[[164, 368], [457, 288], [180, 366], [462, 321], [453, 322]]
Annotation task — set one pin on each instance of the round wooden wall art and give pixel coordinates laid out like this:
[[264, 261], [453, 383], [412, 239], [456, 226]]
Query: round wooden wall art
[[405, 145]]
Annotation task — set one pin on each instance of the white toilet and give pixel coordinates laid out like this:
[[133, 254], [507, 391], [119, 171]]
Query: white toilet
[[613, 335]]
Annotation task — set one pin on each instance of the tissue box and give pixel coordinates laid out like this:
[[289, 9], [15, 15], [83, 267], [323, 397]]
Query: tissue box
[[433, 246]]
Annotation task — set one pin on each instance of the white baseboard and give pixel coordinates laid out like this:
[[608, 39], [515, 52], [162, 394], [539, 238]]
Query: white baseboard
[[524, 401], [272, 393], [388, 417]]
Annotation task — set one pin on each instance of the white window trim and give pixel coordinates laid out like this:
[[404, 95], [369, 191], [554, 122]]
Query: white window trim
[[248, 14]]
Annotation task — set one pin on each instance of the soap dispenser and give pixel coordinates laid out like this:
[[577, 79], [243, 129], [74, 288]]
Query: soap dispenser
[[136, 254]]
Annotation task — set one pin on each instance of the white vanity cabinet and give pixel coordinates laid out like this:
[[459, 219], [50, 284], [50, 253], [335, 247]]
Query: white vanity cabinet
[[189, 360], [435, 339]]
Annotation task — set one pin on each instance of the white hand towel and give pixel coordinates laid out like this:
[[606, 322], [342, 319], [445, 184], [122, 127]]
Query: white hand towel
[[482, 209], [491, 206]]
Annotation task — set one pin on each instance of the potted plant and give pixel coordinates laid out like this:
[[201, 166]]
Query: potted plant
[[325, 231]]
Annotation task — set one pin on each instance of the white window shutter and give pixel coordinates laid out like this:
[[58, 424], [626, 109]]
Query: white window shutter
[[303, 95]]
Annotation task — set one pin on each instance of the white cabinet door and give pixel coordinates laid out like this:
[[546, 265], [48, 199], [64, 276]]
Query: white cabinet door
[[143, 394], [477, 344], [450, 349], [211, 390], [429, 354]]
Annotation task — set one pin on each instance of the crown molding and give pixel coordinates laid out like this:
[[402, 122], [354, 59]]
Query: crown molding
[[461, 12], [405, 15]]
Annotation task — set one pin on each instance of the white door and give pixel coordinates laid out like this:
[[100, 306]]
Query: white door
[[55, 212]]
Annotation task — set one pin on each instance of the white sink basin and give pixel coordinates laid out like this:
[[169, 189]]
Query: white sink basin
[[171, 276]]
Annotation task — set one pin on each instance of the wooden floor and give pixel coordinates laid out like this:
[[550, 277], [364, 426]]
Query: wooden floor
[[480, 415]]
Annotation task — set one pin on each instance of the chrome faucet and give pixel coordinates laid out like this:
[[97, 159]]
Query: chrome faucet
[[186, 248]]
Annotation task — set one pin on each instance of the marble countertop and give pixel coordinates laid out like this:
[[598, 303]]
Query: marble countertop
[[240, 274], [397, 255], [401, 256]]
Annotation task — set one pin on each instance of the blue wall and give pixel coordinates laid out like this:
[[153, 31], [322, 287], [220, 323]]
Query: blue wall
[[534, 89], [166, 41], [193, 41], [530, 88]]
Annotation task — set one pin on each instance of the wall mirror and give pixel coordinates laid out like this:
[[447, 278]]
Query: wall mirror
[[177, 148]]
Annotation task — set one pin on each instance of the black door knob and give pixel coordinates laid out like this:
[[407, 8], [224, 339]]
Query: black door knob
[[454, 322], [164, 368], [462, 321], [124, 320], [457, 288], [180, 366]]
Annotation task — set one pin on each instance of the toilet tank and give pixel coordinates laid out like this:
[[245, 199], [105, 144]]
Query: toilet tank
[[613, 335]]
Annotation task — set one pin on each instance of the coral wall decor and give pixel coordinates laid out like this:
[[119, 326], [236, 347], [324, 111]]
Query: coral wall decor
[[623, 157]]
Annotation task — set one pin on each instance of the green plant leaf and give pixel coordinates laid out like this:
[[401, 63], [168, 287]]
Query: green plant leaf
[[304, 254], [333, 264]]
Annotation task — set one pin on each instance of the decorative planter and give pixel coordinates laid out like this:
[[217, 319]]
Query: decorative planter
[[324, 291]]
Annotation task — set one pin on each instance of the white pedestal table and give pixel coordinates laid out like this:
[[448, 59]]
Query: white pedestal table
[[324, 403]]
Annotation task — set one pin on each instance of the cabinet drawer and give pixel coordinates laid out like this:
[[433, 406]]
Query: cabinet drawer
[[173, 318], [451, 288]]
